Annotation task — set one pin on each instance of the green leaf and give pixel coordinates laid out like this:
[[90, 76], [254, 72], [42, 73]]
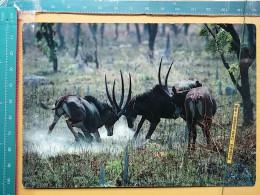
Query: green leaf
[[223, 40], [211, 47], [233, 68], [204, 31]]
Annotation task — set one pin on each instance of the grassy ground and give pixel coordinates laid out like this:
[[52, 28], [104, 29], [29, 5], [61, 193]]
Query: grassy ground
[[161, 163]]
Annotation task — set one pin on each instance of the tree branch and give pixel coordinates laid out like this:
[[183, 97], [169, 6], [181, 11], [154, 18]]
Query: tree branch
[[224, 61]]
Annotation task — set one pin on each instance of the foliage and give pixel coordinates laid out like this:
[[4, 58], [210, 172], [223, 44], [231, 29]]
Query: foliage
[[45, 40], [225, 39], [219, 44], [114, 167], [233, 68]]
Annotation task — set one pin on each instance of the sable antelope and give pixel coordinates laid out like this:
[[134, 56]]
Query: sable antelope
[[196, 106], [88, 114], [152, 106]]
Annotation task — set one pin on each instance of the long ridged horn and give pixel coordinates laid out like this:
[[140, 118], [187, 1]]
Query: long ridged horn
[[108, 95], [118, 107], [114, 98], [166, 80], [164, 88], [122, 95], [128, 98]]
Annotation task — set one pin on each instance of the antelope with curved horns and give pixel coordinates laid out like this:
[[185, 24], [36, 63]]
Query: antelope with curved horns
[[196, 106], [89, 114], [152, 106]]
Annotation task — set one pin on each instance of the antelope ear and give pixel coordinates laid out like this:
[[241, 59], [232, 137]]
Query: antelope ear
[[198, 84]]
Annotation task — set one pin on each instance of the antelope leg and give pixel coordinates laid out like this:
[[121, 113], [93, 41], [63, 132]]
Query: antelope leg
[[88, 136], [189, 138], [72, 130], [194, 134], [207, 131], [97, 136], [152, 128], [57, 115], [139, 127]]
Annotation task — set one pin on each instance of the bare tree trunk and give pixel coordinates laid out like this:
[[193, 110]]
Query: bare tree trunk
[[186, 28], [61, 37], [167, 49], [246, 97], [23, 46], [55, 64], [163, 29], [127, 28], [76, 36], [175, 29], [53, 54], [102, 29], [145, 28], [93, 29], [152, 30], [251, 36], [138, 33], [116, 32]]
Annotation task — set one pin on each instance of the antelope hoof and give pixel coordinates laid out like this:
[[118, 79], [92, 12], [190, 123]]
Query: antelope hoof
[[51, 127], [148, 141]]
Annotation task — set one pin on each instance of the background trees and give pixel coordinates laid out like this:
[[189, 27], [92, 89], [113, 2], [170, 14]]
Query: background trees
[[224, 39], [46, 32]]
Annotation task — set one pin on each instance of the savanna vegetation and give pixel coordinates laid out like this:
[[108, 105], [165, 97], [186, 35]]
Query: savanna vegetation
[[62, 59]]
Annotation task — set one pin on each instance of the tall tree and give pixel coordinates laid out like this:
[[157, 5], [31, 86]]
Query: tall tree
[[152, 31], [93, 30], [116, 31], [167, 49], [45, 30], [76, 37], [186, 28], [127, 29], [145, 28], [60, 35], [138, 33], [102, 29], [175, 29], [225, 38], [163, 29]]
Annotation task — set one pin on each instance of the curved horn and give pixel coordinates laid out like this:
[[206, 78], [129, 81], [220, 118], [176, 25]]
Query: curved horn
[[165, 90], [128, 98], [122, 95], [108, 95], [118, 107], [166, 80], [114, 98]]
